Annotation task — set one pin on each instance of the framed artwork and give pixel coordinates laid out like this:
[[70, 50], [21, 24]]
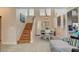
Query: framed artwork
[[22, 18]]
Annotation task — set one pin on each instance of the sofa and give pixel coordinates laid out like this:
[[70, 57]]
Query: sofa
[[61, 46]]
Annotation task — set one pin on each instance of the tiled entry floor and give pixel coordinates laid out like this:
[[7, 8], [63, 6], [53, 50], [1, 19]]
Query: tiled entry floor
[[37, 45]]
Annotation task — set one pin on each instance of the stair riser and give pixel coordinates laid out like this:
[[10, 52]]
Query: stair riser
[[25, 37]]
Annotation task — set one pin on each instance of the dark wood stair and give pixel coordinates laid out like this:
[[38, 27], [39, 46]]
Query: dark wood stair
[[26, 34]]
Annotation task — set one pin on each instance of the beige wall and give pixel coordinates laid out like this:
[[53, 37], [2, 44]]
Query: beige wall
[[8, 25], [11, 26], [20, 25]]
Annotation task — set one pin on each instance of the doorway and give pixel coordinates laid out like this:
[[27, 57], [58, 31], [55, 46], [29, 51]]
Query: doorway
[[0, 29]]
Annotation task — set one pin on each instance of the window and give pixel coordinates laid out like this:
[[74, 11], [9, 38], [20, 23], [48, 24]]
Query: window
[[48, 12], [42, 12], [26, 12], [45, 12], [31, 12]]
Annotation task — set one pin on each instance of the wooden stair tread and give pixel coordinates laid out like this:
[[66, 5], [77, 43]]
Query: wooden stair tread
[[25, 36]]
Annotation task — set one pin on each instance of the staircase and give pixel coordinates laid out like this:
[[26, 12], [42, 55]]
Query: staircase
[[26, 34]]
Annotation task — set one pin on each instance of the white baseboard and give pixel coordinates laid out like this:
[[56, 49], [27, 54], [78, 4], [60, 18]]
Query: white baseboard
[[12, 43]]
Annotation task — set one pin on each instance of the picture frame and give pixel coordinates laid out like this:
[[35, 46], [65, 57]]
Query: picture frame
[[22, 18]]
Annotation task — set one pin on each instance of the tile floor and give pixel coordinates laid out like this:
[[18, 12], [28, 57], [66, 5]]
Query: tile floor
[[38, 45]]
